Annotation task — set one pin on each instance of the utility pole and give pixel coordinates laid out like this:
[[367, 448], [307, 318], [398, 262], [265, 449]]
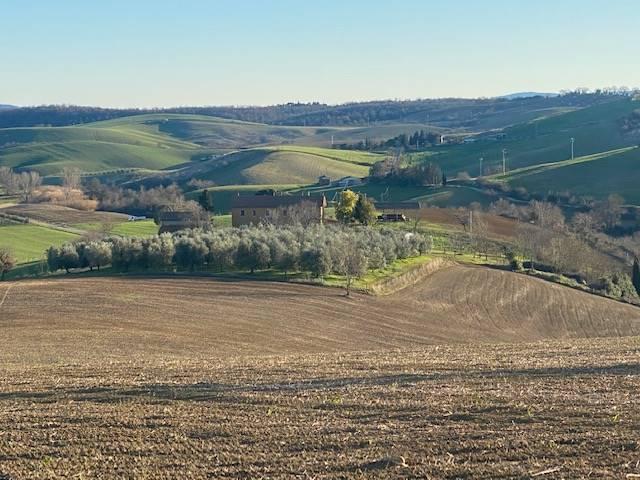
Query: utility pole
[[573, 141], [481, 159], [504, 161]]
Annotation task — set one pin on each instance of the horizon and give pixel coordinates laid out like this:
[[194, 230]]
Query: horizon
[[310, 102], [162, 55]]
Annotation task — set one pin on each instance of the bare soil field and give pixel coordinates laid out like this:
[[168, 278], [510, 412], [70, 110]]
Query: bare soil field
[[198, 378], [70, 318], [545, 410], [497, 226], [59, 215]]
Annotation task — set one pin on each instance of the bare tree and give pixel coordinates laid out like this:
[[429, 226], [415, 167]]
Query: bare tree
[[28, 182], [352, 264]]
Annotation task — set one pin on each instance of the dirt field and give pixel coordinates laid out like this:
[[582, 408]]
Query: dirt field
[[59, 215], [196, 378], [497, 226], [69, 319], [508, 411]]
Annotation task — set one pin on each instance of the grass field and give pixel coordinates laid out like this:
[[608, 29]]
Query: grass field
[[450, 196], [596, 129], [60, 215], [278, 166], [162, 378], [599, 175], [29, 242]]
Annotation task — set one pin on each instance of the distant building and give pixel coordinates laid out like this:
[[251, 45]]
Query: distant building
[[277, 209], [176, 221], [348, 182], [324, 180]]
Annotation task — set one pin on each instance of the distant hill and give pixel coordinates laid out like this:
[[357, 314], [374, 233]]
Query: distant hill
[[6, 107], [161, 141], [546, 140], [271, 166], [518, 95], [453, 113]]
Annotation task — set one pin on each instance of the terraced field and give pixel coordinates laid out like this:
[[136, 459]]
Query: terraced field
[[195, 378]]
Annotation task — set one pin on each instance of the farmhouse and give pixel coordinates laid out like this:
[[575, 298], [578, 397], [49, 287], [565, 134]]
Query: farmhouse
[[175, 221], [277, 209]]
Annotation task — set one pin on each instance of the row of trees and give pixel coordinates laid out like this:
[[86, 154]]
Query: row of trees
[[143, 201], [392, 170], [417, 140], [318, 250]]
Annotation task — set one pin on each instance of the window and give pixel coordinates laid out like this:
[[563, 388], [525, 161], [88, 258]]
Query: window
[[242, 213], [267, 213], [254, 213]]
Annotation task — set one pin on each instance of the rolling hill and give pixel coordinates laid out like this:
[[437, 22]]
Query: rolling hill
[[595, 129], [615, 171], [168, 315], [159, 142], [271, 166], [91, 149]]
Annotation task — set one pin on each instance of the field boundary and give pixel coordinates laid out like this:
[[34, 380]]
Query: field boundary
[[6, 294], [389, 286]]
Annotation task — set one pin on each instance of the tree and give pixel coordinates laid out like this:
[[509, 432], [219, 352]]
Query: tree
[[191, 252], [27, 183], [160, 251], [352, 263], [53, 259], [71, 178], [69, 257], [97, 254], [7, 262], [635, 275], [205, 199], [608, 212], [346, 206], [364, 210]]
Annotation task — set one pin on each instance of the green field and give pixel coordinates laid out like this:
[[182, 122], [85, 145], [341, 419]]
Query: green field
[[29, 242], [616, 171], [450, 196], [278, 166], [595, 129]]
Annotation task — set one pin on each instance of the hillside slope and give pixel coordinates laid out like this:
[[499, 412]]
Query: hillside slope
[[616, 171], [595, 129], [49, 149], [72, 318], [282, 165]]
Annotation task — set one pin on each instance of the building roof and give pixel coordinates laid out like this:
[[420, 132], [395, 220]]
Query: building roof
[[177, 216], [275, 201], [397, 205]]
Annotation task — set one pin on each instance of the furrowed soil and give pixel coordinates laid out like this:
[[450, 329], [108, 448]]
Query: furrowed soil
[[471, 373]]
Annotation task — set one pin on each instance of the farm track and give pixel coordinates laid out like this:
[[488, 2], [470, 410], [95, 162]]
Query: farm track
[[68, 319]]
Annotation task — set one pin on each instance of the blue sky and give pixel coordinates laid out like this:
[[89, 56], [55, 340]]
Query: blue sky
[[195, 52]]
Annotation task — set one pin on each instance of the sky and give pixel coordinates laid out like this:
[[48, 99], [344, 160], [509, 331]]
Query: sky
[[154, 53]]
